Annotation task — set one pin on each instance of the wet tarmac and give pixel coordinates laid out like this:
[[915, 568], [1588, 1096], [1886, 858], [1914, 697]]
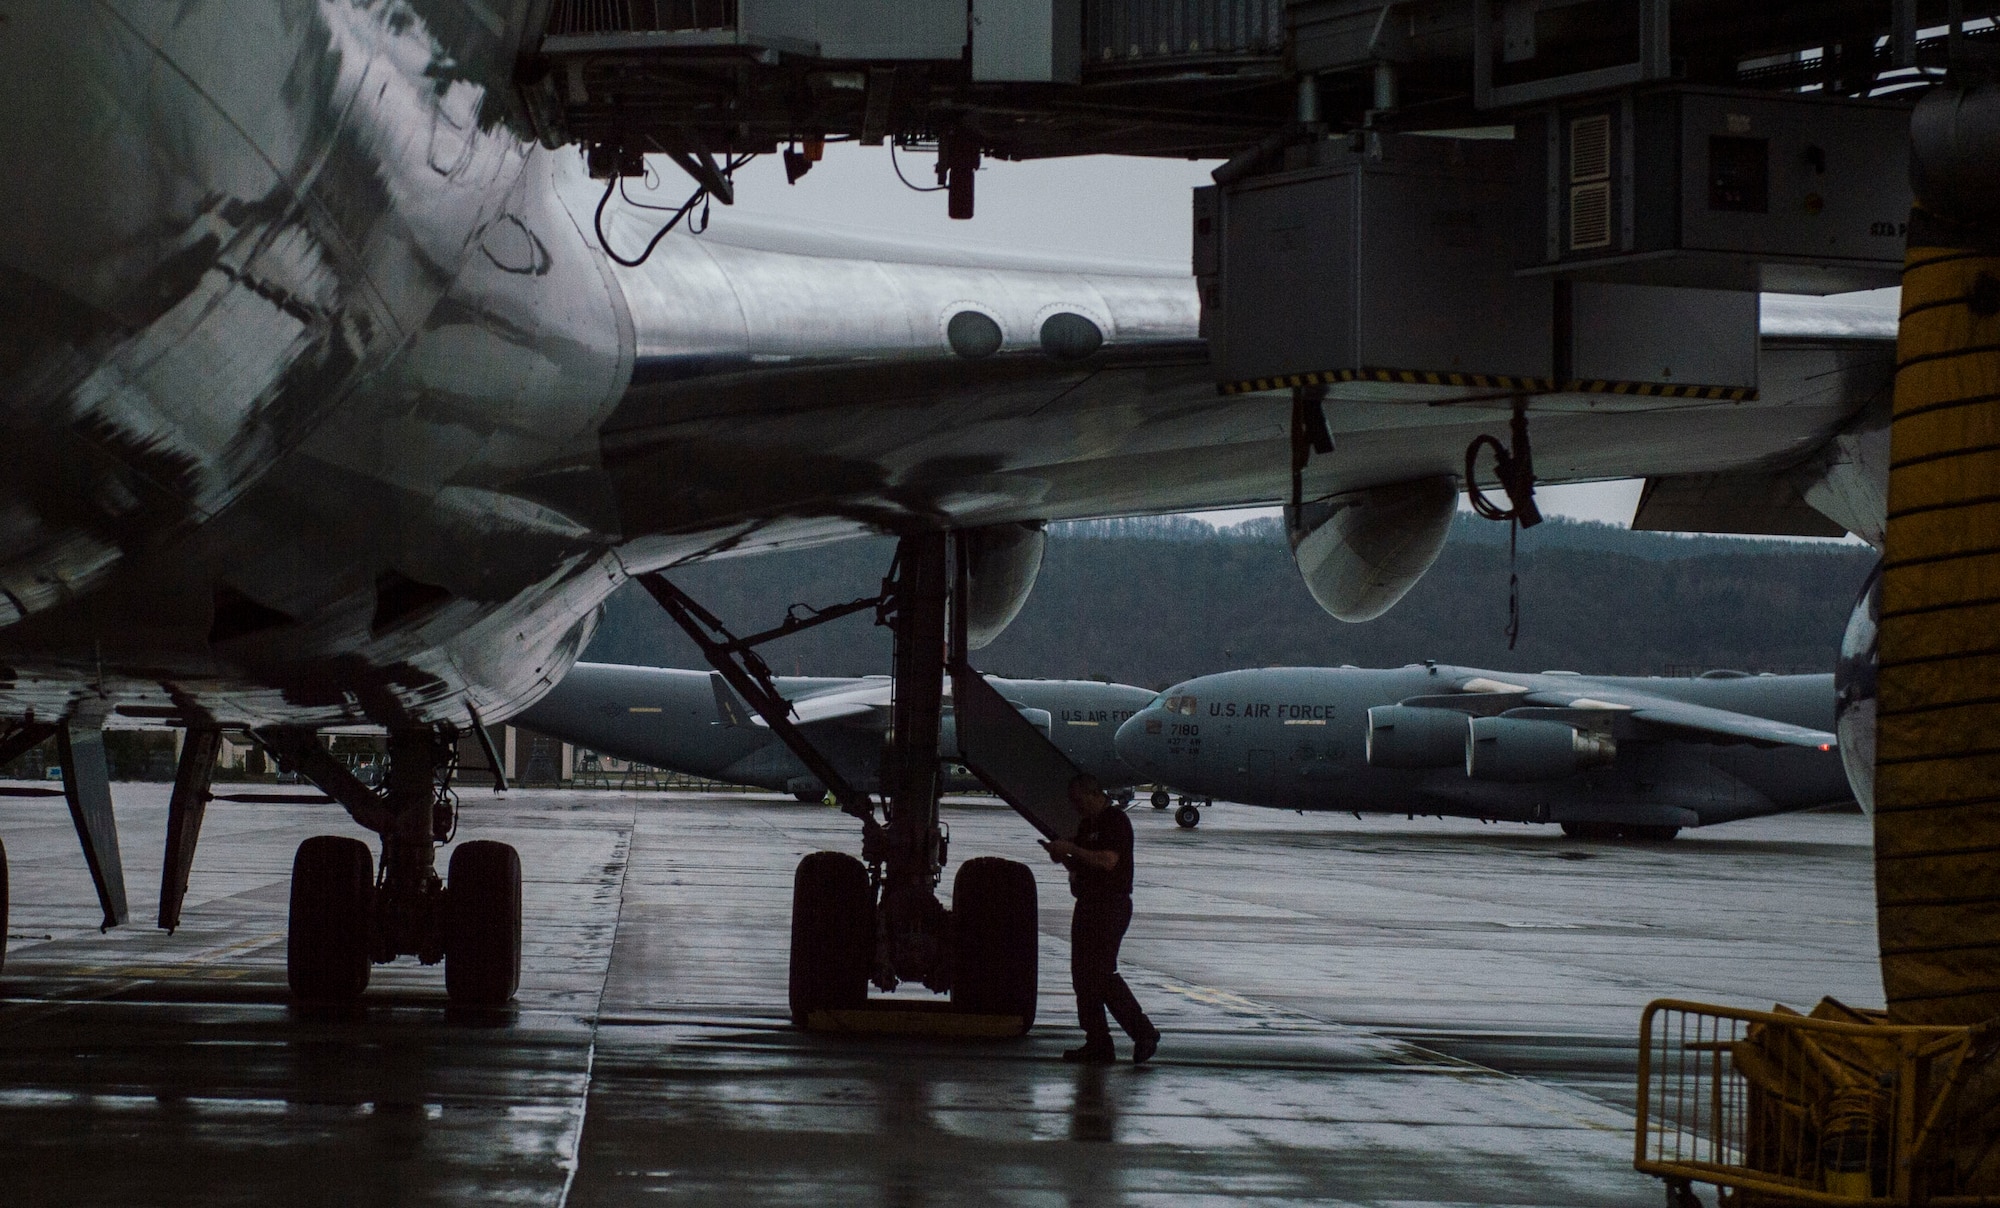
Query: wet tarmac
[[1356, 1011]]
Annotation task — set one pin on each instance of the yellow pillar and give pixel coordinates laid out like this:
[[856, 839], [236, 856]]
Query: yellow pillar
[[1937, 779]]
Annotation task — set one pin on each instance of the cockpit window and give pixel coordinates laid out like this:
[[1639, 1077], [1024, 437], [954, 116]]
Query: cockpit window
[[1187, 705]]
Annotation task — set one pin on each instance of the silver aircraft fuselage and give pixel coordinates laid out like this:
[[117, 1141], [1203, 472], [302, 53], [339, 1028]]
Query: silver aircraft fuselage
[[323, 405]]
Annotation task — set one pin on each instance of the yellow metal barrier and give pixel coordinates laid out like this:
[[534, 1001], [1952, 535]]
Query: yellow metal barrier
[[1836, 1107]]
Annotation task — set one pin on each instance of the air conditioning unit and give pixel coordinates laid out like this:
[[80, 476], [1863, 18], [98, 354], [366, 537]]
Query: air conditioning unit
[[1717, 189], [1388, 272]]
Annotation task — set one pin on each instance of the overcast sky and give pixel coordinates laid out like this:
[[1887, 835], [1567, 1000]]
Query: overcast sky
[[1097, 206]]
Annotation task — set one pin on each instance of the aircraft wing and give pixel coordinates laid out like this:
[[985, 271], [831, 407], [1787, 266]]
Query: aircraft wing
[[1624, 712], [864, 699], [1688, 720]]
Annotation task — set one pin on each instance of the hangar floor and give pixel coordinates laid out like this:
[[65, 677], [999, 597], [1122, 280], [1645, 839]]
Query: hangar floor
[[1375, 1011]]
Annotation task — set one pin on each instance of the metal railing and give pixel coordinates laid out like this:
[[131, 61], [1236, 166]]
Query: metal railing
[[1838, 1107], [634, 16]]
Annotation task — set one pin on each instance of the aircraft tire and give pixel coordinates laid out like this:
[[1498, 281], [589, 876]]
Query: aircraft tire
[[327, 949], [1162, 799], [995, 939], [808, 797], [1187, 817], [482, 938], [833, 935]]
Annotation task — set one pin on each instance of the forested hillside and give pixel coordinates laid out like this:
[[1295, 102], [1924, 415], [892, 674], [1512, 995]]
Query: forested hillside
[[1150, 602]]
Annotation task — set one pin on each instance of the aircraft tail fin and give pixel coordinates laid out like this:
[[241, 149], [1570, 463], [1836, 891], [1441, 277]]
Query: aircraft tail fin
[[729, 711]]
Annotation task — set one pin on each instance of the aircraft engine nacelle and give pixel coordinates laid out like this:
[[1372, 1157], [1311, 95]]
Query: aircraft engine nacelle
[[1002, 561], [1519, 750], [1361, 551], [1402, 737]]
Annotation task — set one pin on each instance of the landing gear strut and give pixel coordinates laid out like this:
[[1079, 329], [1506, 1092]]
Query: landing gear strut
[[878, 919], [346, 917]]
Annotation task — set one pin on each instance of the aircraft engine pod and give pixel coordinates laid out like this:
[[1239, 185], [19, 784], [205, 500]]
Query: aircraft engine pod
[[1517, 750], [1362, 551], [1402, 737], [1002, 562], [1854, 691]]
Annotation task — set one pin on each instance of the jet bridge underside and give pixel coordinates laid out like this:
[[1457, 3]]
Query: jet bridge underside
[[1022, 79]]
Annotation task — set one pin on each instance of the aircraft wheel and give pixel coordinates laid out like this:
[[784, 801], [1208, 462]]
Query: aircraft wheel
[[833, 934], [994, 939], [482, 940], [327, 949], [807, 796], [1187, 817], [1124, 798], [1162, 799]]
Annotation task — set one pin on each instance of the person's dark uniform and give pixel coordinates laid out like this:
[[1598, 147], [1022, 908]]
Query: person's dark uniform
[[1103, 911]]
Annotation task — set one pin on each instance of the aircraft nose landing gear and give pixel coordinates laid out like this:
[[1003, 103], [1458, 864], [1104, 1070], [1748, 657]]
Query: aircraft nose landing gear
[[345, 918]]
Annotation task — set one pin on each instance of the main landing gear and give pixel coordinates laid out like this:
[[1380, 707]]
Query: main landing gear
[[346, 917], [877, 920]]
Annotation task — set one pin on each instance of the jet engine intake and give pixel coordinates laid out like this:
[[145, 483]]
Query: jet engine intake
[[1361, 551], [1403, 737], [1002, 561], [1517, 750]]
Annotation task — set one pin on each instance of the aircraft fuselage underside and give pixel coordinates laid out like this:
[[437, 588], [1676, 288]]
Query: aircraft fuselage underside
[[339, 415]]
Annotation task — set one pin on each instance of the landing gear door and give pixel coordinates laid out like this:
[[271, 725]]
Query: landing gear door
[[1011, 756]]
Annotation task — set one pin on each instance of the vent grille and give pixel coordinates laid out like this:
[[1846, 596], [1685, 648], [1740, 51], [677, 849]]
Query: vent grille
[[1590, 216], [1590, 149], [630, 16]]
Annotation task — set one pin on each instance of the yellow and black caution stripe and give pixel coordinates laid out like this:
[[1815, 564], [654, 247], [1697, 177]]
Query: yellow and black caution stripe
[[1937, 769], [1720, 394], [1499, 382]]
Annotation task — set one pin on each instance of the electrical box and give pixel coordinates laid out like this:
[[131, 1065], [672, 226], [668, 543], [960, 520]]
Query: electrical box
[[1719, 189], [1389, 272], [860, 29], [1027, 41], [1378, 264]]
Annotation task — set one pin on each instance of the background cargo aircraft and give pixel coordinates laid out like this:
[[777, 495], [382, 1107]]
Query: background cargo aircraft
[[332, 396], [690, 721], [1603, 756]]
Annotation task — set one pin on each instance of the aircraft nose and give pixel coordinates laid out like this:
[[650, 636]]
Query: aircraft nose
[[1141, 740]]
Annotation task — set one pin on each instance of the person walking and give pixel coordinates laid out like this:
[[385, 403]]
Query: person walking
[[1099, 860]]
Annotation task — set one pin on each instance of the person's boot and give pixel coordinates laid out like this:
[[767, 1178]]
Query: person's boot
[[1145, 1046], [1095, 1050]]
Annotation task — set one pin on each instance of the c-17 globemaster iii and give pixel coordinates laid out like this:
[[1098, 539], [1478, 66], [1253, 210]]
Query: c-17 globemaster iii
[[1603, 756], [690, 721]]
